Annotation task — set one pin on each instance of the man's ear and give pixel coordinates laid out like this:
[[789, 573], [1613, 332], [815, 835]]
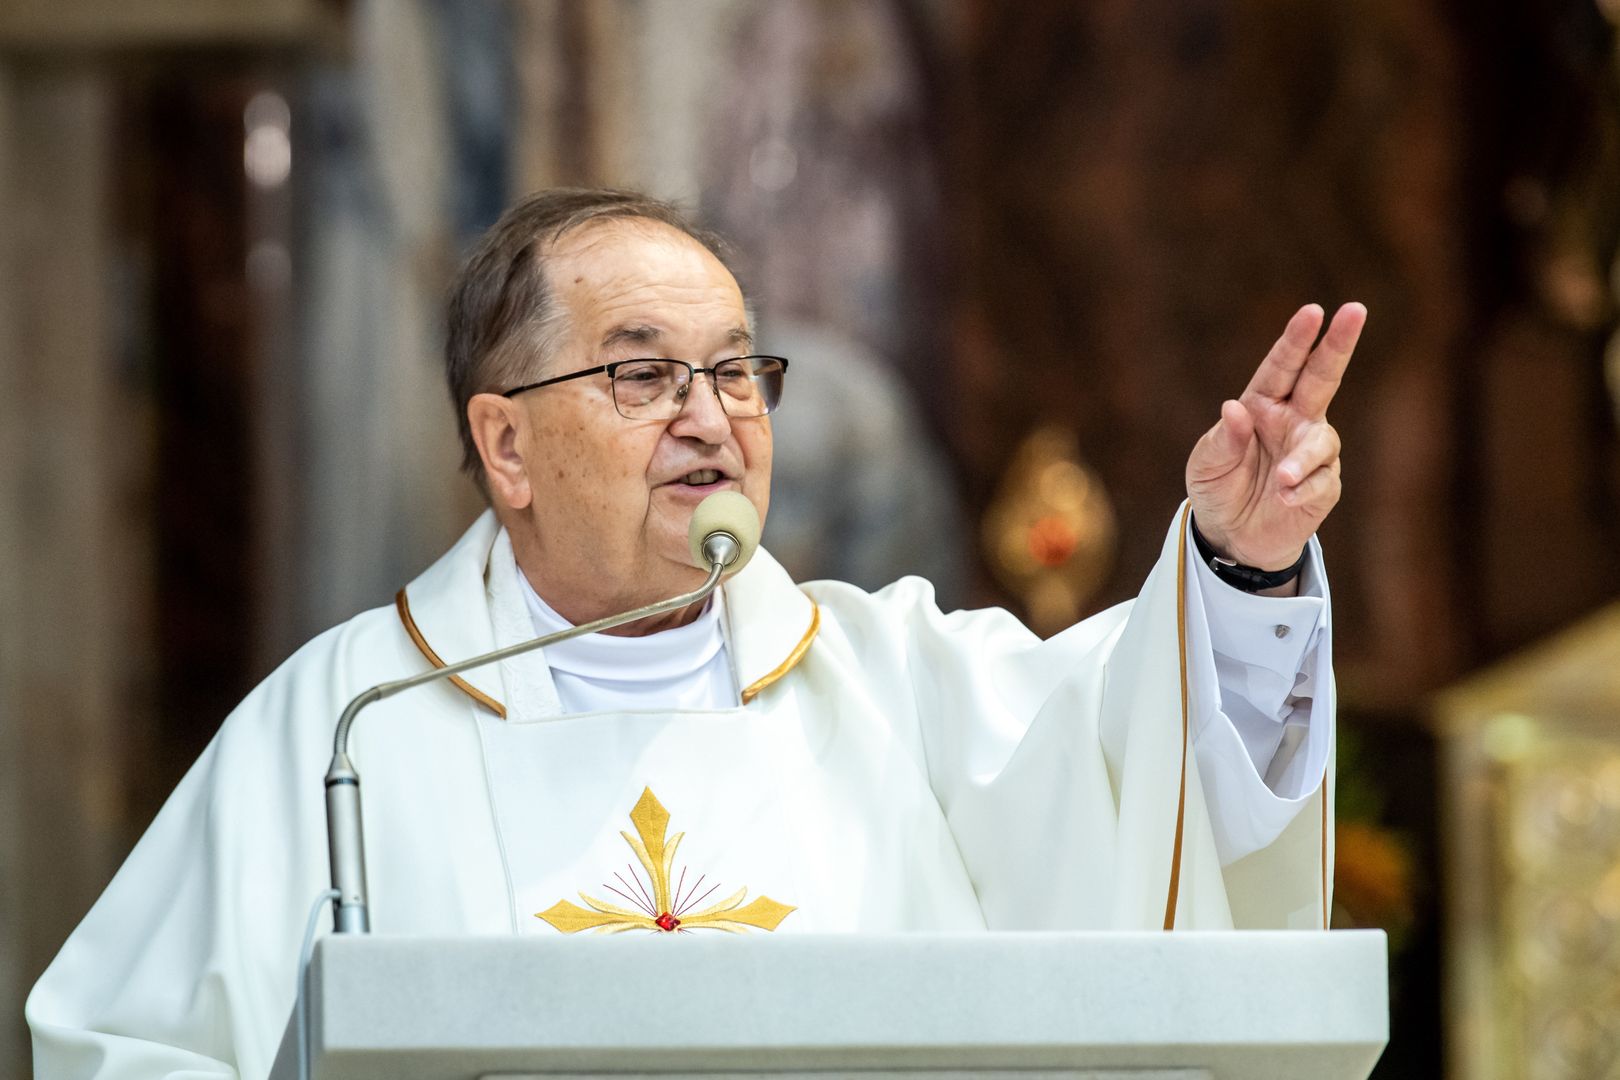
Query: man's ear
[[494, 421]]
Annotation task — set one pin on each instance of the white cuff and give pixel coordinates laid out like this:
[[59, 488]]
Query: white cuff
[[1260, 666], [1267, 632]]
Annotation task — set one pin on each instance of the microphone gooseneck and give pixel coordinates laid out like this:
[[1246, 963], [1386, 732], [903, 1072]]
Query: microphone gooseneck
[[723, 536]]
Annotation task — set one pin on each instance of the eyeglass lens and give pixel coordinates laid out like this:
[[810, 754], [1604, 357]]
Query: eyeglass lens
[[656, 389]]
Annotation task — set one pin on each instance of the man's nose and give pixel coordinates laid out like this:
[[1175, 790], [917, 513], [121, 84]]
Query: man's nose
[[702, 416]]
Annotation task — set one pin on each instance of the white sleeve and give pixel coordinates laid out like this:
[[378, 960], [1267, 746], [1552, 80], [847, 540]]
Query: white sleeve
[[130, 994], [1061, 765], [185, 966], [1260, 742]]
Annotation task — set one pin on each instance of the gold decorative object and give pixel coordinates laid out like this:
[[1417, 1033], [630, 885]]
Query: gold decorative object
[[656, 904], [1531, 781], [1049, 533], [1372, 879]]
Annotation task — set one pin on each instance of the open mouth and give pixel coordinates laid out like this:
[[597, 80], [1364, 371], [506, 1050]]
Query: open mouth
[[702, 478]]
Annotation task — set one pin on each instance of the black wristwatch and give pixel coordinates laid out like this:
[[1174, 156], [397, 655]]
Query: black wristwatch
[[1250, 579]]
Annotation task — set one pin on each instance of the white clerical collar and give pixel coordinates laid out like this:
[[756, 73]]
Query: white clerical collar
[[681, 650]]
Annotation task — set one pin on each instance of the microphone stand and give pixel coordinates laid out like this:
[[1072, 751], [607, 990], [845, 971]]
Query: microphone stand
[[345, 845]]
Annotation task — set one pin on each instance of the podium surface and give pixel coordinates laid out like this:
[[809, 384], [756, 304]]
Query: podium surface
[[1121, 1006]]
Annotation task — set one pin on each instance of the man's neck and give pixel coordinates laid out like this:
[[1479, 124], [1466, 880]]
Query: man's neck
[[580, 606], [548, 620], [586, 592]]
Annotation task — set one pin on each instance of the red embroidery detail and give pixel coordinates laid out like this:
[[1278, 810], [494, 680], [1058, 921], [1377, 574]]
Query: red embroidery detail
[[667, 922]]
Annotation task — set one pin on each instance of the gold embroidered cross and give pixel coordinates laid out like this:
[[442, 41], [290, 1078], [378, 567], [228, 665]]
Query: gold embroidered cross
[[661, 908]]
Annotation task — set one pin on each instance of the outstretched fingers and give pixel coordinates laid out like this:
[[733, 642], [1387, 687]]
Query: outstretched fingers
[[1279, 371], [1319, 380]]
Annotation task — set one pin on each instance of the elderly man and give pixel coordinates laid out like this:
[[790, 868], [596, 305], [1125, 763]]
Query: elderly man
[[779, 759]]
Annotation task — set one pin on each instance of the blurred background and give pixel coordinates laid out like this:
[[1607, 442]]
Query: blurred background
[[1018, 253]]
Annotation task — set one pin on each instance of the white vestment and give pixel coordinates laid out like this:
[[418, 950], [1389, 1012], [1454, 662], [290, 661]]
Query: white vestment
[[890, 768]]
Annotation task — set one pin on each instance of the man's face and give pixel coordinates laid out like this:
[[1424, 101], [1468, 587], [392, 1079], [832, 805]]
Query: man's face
[[613, 497]]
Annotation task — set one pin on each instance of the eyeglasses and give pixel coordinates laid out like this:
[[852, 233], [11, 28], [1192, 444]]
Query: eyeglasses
[[747, 386]]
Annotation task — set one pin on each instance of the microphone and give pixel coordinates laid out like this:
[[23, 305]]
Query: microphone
[[725, 528], [723, 536]]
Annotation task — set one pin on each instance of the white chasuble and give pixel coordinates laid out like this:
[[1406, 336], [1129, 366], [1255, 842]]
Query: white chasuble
[[754, 817], [888, 767], [829, 818]]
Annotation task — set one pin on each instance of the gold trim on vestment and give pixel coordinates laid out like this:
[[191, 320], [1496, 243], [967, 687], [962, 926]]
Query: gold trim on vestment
[[403, 605], [1181, 642], [1325, 913], [793, 657]]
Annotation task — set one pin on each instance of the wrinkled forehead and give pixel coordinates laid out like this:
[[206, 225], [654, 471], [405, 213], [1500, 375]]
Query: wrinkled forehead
[[631, 271]]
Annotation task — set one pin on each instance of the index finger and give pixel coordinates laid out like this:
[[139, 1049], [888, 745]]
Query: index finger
[[1319, 380], [1279, 371]]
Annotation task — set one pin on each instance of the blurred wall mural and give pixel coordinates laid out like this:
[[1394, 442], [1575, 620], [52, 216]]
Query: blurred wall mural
[[1017, 253]]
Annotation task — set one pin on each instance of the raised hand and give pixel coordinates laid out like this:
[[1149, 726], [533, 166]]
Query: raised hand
[[1263, 478]]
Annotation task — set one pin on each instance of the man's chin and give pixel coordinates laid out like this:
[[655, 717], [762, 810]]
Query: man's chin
[[666, 581], [671, 541], [668, 556]]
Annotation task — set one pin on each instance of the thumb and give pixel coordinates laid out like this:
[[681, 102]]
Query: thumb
[[1224, 445]]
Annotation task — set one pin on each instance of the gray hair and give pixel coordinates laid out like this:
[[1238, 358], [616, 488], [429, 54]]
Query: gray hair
[[502, 317]]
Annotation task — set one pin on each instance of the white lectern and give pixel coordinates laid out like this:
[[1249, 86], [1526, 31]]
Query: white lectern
[[1098, 1006]]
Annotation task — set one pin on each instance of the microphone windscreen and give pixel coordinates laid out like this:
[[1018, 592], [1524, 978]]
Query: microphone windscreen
[[724, 511]]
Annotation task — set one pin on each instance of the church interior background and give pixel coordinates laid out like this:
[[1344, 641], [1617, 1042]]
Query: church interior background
[[1018, 252]]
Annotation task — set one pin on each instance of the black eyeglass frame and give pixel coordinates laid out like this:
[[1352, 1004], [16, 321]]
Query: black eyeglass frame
[[692, 372]]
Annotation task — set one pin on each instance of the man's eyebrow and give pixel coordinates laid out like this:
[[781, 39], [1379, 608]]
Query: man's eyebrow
[[642, 334], [631, 335]]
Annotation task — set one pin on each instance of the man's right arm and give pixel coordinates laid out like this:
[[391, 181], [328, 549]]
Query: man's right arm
[[185, 965]]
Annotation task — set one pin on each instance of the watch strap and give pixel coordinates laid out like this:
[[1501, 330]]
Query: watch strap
[[1250, 579]]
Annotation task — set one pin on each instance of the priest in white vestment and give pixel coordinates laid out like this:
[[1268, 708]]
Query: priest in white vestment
[[784, 758]]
